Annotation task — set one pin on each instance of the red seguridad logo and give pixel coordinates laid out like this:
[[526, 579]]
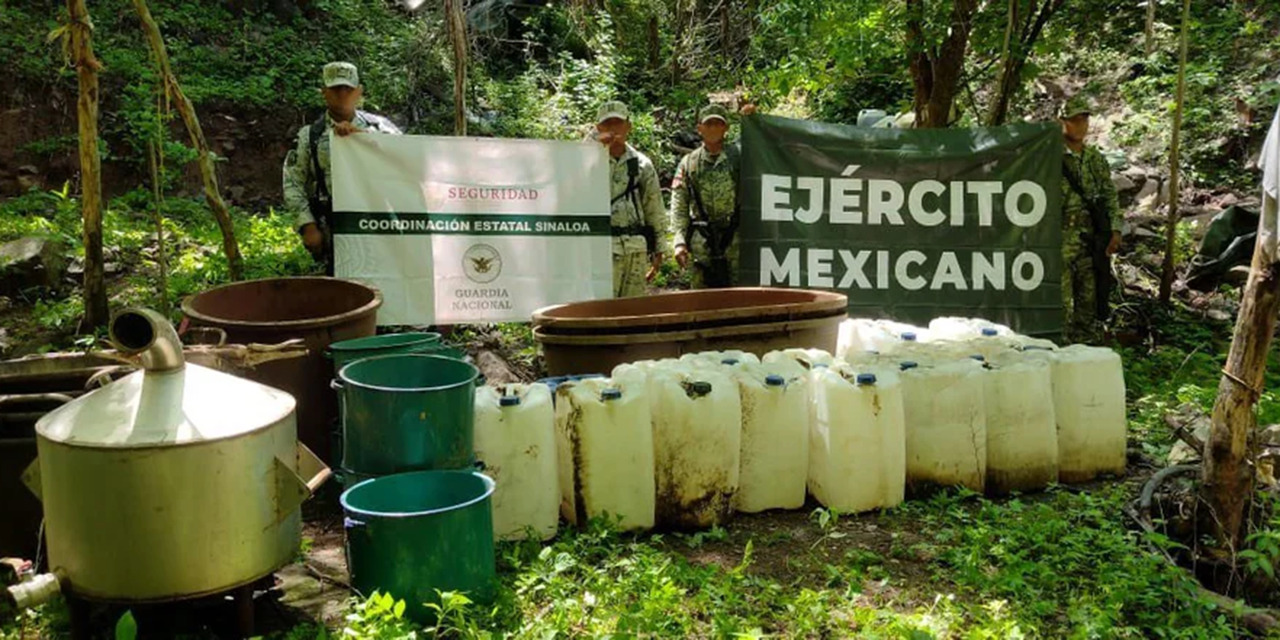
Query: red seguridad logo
[[491, 193]]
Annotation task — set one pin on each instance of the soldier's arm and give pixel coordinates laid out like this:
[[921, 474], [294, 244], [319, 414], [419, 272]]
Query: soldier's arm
[[679, 206], [655, 214], [297, 171]]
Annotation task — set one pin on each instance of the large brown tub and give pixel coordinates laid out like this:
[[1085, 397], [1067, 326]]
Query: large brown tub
[[595, 336], [320, 311]]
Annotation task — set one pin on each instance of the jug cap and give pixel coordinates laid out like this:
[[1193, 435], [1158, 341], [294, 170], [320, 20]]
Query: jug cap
[[978, 357], [611, 393], [729, 361], [909, 336], [907, 364], [509, 401], [866, 378], [989, 331], [700, 387], [774, 380]]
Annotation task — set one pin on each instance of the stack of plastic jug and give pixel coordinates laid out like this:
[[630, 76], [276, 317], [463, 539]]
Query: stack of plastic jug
[[604, 445], [516, 446]]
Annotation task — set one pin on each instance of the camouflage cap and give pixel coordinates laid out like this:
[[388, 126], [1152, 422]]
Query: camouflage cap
[[341, 74], [612, 109], [713, 112], [1077, 105]]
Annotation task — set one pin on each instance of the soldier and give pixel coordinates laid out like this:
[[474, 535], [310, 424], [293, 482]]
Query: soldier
[[704, 205], [307, 183], [1091, 227], [635, 203]]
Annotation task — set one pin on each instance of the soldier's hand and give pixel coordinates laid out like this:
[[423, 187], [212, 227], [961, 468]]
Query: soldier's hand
[[345, 129], [1114, 245], [312, 239], [655, 263], [682, 256]]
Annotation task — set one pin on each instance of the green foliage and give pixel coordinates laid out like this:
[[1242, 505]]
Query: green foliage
[[1261, 556], [380, 617], [126, 627]]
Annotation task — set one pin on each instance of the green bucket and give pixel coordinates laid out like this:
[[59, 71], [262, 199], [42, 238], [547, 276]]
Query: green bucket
[[348, 351], [413, 534], [407, 412]]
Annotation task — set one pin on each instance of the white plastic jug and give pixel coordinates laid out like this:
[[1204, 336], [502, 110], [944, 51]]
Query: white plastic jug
[[1022, 437], [697, 429], [946, 425], [604, 440], [515, 440], [807, 358], [857, 445], [775, 436], [1088, 401], [716, 358], [952, 328]]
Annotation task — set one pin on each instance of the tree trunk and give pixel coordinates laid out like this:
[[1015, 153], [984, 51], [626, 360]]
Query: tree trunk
[[1021, 36], [80, 31], [1171, 224], [935, 72], [1151, 27], [458, 36], [1227, 486], [655, 43], [155, 160], [205, 159]]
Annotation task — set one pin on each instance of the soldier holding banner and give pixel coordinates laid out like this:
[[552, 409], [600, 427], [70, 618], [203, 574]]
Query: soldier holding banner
[[1091, 222], [635, 203], [704, 207], [307, 182]]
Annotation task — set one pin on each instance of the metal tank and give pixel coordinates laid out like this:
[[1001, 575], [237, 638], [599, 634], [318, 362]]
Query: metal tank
[[176, 481]]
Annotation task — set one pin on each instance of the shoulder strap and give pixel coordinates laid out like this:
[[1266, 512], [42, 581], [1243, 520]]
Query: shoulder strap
[[322, 186]]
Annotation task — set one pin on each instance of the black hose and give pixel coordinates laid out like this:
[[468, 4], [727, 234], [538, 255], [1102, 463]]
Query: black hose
[[1149, 489]]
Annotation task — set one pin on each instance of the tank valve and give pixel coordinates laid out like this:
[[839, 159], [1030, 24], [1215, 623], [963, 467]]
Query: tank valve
[[34, 591]]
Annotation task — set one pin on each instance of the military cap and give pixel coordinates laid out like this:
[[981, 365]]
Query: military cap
[[612, 109], [713, 112], [341, 74], [1077, 105]]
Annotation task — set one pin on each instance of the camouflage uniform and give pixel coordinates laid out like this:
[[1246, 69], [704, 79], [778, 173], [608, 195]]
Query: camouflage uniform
[[714, 178], [630, 212], [1078, 285], [299, 170]]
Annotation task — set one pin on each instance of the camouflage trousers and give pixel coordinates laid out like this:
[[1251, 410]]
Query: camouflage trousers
[[630, 264], [1079, 295]]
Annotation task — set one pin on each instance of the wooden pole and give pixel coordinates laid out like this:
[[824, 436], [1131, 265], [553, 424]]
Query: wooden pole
[[1171, 223], [188, 113], [1151, 27], [80, 31], [1228, 477], [458, 34]]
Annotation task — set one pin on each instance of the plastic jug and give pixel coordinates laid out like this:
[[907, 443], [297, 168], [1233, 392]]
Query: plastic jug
[[857, 442], [515, 439], [952, 328], [717, 358], [697, 427], [604, 442], [1022, 437], [807, 358], [1088, 402], [775, 436], [945, 420]]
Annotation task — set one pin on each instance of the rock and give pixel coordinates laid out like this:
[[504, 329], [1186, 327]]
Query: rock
[[228, 145], [29, 169], [236, 193], [1227, 199], [1123, 183], [1194, 424], [5, 303], [29, 262], [1148, 196], [1270, 436], [1136, 173], [1143, 232], [494, 368], [1219, 315]]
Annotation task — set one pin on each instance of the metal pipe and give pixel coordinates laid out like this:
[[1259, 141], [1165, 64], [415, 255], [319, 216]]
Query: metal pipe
[[146, 332], [37, 590]]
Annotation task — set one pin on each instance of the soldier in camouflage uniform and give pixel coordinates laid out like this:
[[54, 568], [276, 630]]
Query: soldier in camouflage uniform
[[307, 182], [1086, 182], [635, 202], [704, 208]]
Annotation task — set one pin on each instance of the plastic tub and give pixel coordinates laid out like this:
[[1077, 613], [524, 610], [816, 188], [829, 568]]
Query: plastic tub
[[413, 534]]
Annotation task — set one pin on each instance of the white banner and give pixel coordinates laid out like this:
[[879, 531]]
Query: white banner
[[457, 230]]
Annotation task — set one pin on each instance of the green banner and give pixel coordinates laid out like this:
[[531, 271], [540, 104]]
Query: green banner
[[910, 224]]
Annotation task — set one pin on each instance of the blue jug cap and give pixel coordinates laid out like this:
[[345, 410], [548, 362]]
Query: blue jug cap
[[907, 364], [988, 331], [729, 361], [866, 378], [774, 380], [978, 357], [909, 336], [509, 401], [611, 394]]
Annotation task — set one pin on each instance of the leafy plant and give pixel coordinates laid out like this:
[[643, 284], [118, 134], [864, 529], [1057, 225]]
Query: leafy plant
[[379, 617]]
